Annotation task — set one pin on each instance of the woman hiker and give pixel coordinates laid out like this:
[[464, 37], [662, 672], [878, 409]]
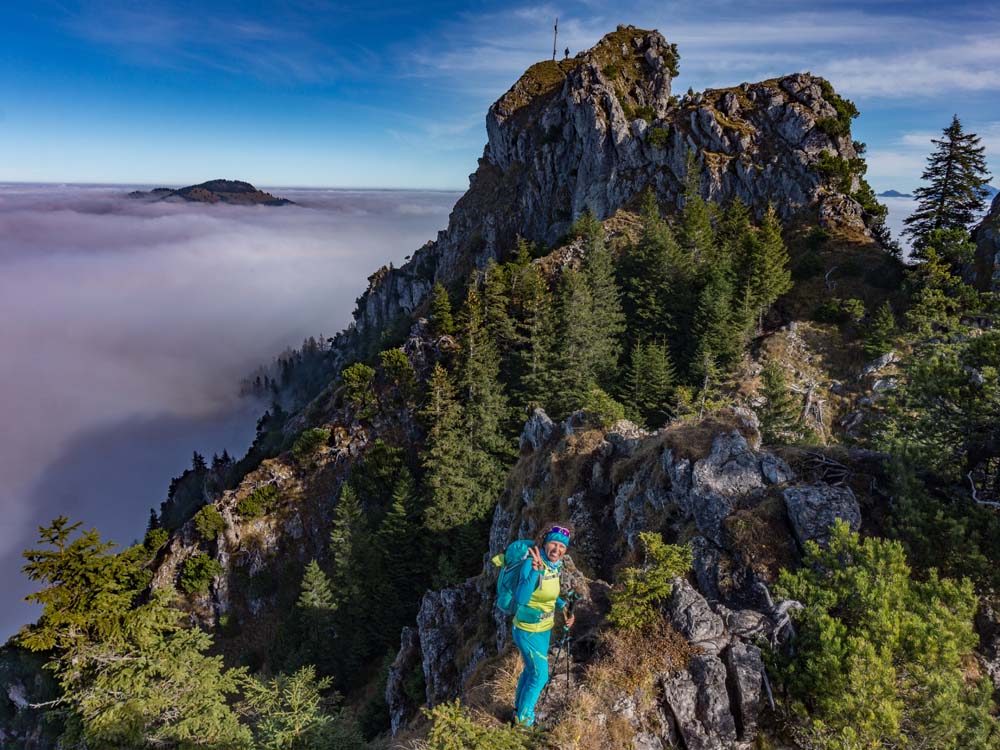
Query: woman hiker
[[537, 596]]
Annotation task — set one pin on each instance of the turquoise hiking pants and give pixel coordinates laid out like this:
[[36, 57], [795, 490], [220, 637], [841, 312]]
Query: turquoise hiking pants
[[534, 648]]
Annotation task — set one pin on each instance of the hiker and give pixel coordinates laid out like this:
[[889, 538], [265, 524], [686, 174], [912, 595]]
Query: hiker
[[537, 597]]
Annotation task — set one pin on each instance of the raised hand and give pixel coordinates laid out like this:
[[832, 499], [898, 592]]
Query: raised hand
[[536, 558]]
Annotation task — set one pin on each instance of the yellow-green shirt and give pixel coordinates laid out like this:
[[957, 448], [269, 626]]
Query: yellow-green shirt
[[537, 615]]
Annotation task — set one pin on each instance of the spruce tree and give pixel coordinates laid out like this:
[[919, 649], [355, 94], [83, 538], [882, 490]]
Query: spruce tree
[[768, 273], [654, 275], [695, 233], [107, 636], [315, 591], [572, 357], [534, 326], [779, 415], [451, 493], [442, 323], [650, 380], [880, 331], [716, 329], [347, 538], [607, 320], [497, 315], [956, 172]]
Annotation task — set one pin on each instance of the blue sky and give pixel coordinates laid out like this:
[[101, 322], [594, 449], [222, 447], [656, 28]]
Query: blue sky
[[312, 93]]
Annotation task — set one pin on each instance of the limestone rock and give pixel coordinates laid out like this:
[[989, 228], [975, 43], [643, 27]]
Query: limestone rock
[[812, 509], [537, 430], [986, 266], [746, 667], [690, 615]]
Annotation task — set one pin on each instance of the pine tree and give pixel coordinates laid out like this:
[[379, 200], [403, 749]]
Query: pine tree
[[779, 415], [650, 381], [768, 273], [451, 492], [716, 330], [347, 538], [651, 272], [198, 462], [607, 321], [107, 636], [956, 172], [880, 331], [401, 559], [572, 369], [442, 323], [695, 233]]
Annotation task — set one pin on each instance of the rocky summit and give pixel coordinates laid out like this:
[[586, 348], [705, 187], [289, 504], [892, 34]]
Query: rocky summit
[[592, 132], [233, 192]]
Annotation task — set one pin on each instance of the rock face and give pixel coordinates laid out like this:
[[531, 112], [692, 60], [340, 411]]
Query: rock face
[[594, 131], [986, 266], [813, 510]]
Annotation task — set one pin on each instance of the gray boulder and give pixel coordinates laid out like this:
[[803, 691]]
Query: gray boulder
[[812, 509]]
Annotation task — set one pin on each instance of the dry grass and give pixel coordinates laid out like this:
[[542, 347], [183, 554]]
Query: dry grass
[[763, 537], [623, 673], [492, 685]]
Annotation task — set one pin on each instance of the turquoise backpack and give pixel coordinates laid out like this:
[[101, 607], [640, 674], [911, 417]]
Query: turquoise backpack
[[509, 561]]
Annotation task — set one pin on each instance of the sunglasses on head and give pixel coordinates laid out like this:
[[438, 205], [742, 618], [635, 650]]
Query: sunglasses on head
[[559, 530]]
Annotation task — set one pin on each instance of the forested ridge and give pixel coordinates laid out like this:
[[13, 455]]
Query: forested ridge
[[587, 370]]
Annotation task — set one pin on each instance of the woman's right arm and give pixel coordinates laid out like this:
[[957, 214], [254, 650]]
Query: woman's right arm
[[527, 581]]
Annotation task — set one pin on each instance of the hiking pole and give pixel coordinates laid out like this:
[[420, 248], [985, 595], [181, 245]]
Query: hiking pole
[[563, 642]]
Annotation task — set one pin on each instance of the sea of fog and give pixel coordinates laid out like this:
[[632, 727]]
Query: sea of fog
[[126, 328]]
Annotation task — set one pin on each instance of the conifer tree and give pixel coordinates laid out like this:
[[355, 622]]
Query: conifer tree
[[880, 331], [695, 225], [451, 493], [347, 538], [399, 542], [485, 411], [956, 172], [650, 381], [607, 320], [717, 333], [779, 415], [534, 337], [768, 276], [106, 637], [572, 368], [442, 323], [315, 590], [497, 316], [654, 273]]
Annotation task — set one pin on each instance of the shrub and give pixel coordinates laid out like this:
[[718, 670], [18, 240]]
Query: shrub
[[645, 112], [209, 523], [839, 125], [262, 500], [658, 137], [636, 598], [307, 443], [398, 370], [453, 728], [611, 70], [359, 379], [155, 538], [603, 407], [839, 311], [197, 572], [881, 658]]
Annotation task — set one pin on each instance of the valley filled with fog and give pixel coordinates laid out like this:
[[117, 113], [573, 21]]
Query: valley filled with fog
[[126, 327]]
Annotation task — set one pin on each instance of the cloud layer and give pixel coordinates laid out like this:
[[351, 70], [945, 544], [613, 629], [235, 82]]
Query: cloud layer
[[127, 326]]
